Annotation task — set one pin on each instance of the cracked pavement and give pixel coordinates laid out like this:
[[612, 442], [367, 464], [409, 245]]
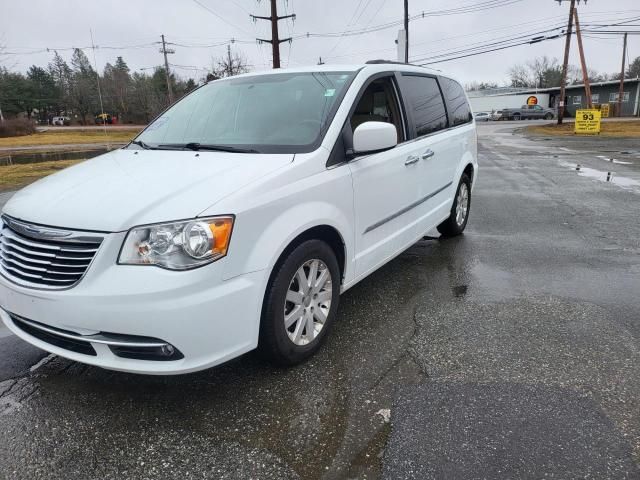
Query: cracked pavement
[[510, 352]]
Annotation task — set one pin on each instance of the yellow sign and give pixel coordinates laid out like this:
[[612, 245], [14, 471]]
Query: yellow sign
[[587, 121], [532, 100], [604, 110]]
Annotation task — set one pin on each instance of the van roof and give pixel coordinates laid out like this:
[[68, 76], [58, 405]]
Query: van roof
[[372, 66]]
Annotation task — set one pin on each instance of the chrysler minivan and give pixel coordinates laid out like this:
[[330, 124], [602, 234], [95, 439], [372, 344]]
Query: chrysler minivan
[[236, 219]]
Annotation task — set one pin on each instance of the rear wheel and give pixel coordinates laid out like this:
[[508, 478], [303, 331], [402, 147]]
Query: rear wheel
[[516, 117], [548, 116], [300, 304], [457, 221]]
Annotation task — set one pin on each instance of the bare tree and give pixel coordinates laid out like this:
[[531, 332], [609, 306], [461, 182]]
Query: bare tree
[[229, 65], [541, 72]]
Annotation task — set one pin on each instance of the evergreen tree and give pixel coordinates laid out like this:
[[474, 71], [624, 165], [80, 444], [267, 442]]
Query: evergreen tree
[[84, 87]]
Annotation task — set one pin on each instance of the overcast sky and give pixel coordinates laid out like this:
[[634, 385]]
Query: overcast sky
[[27, 27]]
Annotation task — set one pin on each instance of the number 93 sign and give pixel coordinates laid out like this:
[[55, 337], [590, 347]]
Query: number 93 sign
[[587, 122]]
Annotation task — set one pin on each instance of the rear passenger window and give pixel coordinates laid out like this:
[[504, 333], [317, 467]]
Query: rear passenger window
[[425, 101], [459, 110]]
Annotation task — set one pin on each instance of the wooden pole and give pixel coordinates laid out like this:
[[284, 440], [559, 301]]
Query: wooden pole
[[565, 64], [585, 73], [621, 89], [275, 42], [406, 31]]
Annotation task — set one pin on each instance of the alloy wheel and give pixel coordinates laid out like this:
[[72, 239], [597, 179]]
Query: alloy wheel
[[308, 302], [462, 204]]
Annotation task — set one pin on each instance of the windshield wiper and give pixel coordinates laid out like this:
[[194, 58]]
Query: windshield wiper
[[205, 146], [140, 143]]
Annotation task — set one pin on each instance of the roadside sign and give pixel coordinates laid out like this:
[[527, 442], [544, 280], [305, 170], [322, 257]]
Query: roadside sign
[[587, 122], [604, 110]]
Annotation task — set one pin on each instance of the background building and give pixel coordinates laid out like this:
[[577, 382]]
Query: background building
[[601, 92]]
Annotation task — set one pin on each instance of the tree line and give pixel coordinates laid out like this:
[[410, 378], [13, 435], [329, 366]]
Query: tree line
[[71, 89], [545, 72]]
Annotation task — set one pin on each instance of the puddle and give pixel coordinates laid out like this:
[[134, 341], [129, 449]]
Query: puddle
[[613, 160], [602, 176], [36, 157]]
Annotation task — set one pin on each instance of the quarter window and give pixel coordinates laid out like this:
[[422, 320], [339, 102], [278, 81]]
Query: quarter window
[[425, 100], [459, 110], [577, 100]]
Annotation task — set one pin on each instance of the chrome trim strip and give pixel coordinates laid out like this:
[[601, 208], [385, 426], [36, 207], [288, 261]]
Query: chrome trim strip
[[98, 338], [406, 209], [50, 233]]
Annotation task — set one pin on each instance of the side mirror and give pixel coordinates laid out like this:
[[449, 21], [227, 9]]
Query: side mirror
[[374, 137]]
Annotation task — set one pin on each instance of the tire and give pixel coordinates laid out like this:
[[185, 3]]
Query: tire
[[455, 225], [292, 344], [548, 116], [516, 117]]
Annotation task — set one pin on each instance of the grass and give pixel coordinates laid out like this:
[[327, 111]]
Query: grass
[[69, 137], [608, 129], [16, 176]]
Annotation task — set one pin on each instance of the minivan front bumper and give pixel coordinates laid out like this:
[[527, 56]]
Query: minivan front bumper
[[203, 318]]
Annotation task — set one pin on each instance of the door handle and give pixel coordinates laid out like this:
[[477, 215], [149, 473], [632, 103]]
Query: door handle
[[411, 159], [428, 154]]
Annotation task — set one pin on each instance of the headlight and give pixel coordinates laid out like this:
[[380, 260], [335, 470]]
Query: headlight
[[178, 245]]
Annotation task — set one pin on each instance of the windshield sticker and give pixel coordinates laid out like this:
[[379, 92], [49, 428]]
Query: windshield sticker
[[329, 92], [158, 123]]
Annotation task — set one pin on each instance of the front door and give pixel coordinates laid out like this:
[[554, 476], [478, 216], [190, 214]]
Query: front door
[[386, 184]]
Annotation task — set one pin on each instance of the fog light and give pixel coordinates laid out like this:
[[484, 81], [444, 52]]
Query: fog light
[[167, 350]]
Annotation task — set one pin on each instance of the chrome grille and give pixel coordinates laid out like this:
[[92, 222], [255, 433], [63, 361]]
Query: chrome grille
[[42, 257]]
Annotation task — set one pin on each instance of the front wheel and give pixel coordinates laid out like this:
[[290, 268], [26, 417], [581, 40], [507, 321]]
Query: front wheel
[[300, 303], [457, 221]]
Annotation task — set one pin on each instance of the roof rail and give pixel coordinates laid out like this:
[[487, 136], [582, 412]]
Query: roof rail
[[381, 60]]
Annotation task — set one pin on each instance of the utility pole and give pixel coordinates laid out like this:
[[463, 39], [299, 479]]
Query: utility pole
[[621, 90], [275, 40], [565, 63], [229, 64], [95, 65], [585, 73], [320, 62], [406, 31], [166, 51]]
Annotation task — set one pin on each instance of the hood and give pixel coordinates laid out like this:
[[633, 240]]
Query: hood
[[124, 188]]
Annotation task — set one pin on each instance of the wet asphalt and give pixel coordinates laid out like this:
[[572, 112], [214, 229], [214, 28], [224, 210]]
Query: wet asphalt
[[512, 351]]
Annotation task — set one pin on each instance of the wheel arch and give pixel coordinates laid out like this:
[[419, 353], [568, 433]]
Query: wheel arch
[[328, 234], [470, 171]]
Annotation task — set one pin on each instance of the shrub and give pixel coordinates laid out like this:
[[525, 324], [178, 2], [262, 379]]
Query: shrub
[[16, 127]]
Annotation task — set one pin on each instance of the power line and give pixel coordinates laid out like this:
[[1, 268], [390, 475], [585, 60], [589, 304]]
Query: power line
[[212, 12], [490, 4], [527, 38], [431, 61]]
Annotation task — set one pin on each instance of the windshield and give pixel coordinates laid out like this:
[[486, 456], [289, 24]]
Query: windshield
[[278, 113]]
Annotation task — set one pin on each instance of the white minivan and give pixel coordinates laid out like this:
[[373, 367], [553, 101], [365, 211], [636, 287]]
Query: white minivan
[[237, 218]]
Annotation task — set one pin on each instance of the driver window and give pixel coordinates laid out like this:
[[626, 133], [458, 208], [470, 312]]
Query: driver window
[[379, 104]]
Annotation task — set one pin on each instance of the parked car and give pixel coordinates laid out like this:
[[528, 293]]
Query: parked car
[[482, 117], [61, 121], [237, 218], [527, 112], [103, 118]]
